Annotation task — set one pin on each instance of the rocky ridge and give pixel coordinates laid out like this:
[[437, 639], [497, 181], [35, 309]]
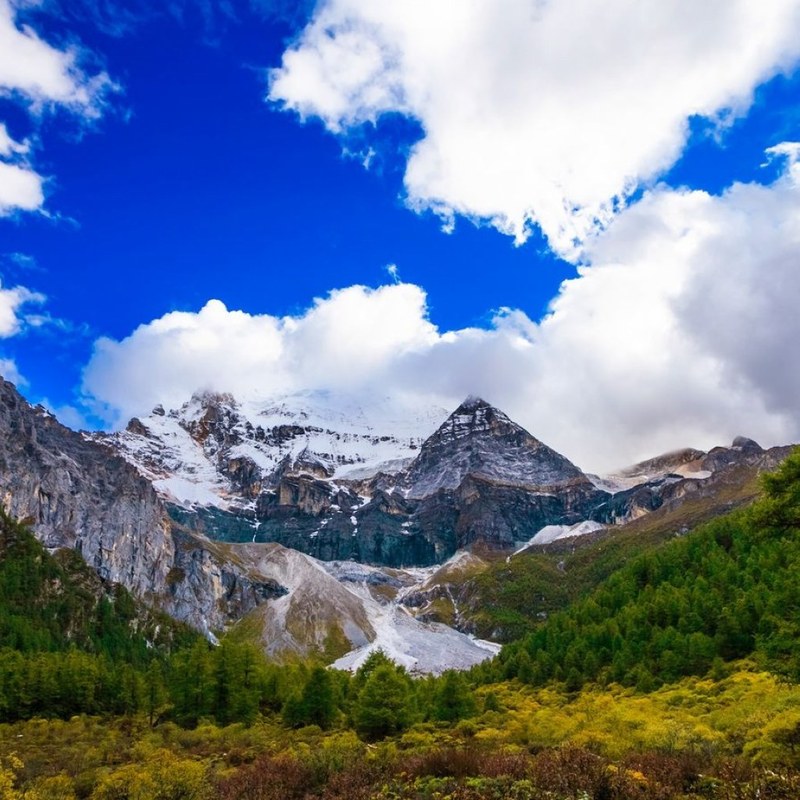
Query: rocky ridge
[[668, 480]]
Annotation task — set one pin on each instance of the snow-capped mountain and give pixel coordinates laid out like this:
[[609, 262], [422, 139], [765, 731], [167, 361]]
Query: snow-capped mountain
[[76, 493], [388, 485], [379, 481], [219, 451]]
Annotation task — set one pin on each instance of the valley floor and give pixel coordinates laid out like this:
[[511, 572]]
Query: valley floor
[[730, 737]]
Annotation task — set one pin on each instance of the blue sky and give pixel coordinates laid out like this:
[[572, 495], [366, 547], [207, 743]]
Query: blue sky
[[180, 182], [193, 186]]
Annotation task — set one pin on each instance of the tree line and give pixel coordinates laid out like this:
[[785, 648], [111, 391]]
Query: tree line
[[229, 683]]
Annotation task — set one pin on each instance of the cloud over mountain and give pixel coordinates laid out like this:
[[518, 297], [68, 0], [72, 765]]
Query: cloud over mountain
[[672, 335]]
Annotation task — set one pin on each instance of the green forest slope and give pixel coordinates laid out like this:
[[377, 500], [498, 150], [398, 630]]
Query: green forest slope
[[727, 590], [509, 598]]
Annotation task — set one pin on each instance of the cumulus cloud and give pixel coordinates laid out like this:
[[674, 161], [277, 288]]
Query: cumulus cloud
[[41, 77], [547, 113], [346, 341], [20, 189], [681, 329]]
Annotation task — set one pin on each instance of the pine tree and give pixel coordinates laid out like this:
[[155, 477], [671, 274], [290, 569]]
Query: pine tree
[[383, 706], [317, 699], [453, 699], [155, 692]]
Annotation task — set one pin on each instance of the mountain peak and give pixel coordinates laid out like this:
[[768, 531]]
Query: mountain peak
[[479, 439], [746, 444], [474, 416], [471, 403], [207, 398]]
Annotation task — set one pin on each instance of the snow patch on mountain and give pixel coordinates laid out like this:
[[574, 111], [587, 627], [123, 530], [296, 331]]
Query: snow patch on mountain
[[422, 648], [693, 474], [552, 533], [193, 454], [622, 482], [185, 492]]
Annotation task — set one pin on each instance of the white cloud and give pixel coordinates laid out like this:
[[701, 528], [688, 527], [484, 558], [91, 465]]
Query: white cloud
[[41, 77], [681, 330], [20, 189], [789, 153], [8, 145], [536, 112], [12, 320], [20, 186], [343, 341], [43, 74]]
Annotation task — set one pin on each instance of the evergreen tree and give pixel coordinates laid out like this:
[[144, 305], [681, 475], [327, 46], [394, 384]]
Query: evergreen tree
[[155, 692], [490, 702], [453, 699], [319, 706], [315, 704], [383, 706]]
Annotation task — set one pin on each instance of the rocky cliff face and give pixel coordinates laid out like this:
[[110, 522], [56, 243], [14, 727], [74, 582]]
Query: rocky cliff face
[[81, 495], [209, 587]]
